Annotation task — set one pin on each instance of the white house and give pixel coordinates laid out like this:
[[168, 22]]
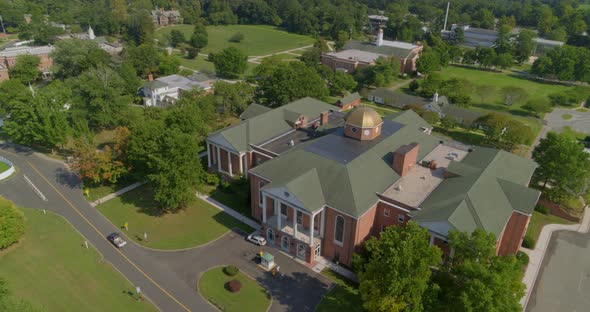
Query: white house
[[166, 90]]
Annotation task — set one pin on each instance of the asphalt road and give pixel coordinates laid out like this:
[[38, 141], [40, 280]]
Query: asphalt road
[[168, 279], [563, 284]]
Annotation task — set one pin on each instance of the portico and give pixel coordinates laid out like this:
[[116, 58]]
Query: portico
[[225, 160]]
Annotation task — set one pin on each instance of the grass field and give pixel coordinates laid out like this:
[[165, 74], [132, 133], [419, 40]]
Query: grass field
[[201, 64], [3, 167], [52, 270], [252, 297], [344, 296], [538, 220], [193, 226], [258, 39], [536, 90]]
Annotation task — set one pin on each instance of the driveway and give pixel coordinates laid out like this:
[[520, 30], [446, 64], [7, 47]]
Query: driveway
[[168, 279], [563, 283], [580, 121]]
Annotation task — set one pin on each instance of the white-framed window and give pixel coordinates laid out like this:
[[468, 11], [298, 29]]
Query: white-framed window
[[299, 217], [339, 230], [401, 218], [386, 212], [283, 210]]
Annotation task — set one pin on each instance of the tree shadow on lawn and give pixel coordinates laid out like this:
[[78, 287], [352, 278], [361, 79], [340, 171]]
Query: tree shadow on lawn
[[143, 199]]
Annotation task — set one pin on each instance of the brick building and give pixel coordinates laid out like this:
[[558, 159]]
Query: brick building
[[9, 56], [165, 18], [323, 186], [357, 54]]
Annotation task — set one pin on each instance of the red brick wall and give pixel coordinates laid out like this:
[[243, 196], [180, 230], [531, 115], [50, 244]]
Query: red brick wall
[[254, 204], [223, 157], [402, 163], [513, 233], [4, 75], [382, 221], [257, 159], [350, 105], [329, 248], [364, 227], [444, 246], [235, 164]]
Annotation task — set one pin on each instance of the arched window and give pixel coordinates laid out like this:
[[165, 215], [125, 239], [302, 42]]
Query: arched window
[[339, 230]]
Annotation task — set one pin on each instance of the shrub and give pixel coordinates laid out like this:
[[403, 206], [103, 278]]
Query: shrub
[[237, 37], [12, 224], [522, 258], [528, 242], [414, 85], [234, 286], [542, 209], [231, 270]]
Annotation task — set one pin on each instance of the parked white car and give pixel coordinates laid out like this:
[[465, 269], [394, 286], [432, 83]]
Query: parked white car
[[256, 239], [116, 240]]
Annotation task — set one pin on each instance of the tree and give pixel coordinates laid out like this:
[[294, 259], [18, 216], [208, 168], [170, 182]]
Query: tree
[[312, 57], [513, 94], [524, 46], [235, 97], [485, 91], [503, 132], [428, 62], [199, 38], [542, 66], [562, 163], [504, 42], [282, 82], [395, 270], [430, 117], [25, 68], [145, 58], [13, 92], [12, 223], [41, 121], [503, 60], [538, 107], [341, 40], [477, 279], [107, 165], [140, 27], [99, 95], [72, 57], [448, 122], [237, 37], [485, 56], [176, 38], [382, 73], [340, 82], [229, 62], [168, 65]]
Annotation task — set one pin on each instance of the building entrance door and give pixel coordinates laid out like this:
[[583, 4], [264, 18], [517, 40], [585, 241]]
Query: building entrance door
[[270, 236], [317, 251], [301, 251], [285, 243]]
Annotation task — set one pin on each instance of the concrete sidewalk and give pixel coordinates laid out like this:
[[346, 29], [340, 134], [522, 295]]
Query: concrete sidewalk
[[536, 255], [117, 193], [253, 224]]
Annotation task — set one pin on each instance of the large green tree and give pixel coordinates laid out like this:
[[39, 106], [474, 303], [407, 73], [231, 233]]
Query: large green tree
[[25, 68], [563, 165], [477, 279], [199, 38], [12, 223], [230, 62], [504, 132], [73, 57], [282, 82], [235, 97], [395, 270]]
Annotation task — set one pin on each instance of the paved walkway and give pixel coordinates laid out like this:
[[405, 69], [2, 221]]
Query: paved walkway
[[323, 263], [536, 255], [253, 224], [117, 193]]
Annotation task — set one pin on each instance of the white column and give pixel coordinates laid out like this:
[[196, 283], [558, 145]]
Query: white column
[[218, 159], [229, 162], [279, 216], [263, 208], [311, 230], [294, 223], [322, 221], [431, 240], [241, 164], [208, 155], [246, 167]]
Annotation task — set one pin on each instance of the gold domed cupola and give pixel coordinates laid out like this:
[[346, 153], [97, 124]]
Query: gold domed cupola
[[362, 123]]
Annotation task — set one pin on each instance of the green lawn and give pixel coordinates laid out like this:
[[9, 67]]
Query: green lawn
[[3, 167], [566, 116], [467, 136], [52, 270], [535, 89], [236, 196], [258, 40], [286, 57], [538, 220], [193, 226], [252, 297], [344, 296], [201, 64]]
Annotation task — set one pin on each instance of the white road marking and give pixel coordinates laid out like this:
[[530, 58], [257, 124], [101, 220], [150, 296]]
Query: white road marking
[[35, 188]]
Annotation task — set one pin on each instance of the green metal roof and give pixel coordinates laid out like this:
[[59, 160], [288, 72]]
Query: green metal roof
[[489, 185], [254, 110], [268, 125], [350, 98], [352, 186], [398, 52], [267, 256]]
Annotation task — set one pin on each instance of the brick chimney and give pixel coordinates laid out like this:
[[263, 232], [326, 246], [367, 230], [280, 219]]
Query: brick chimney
[[150, 77], [404, 158], [324, 118]]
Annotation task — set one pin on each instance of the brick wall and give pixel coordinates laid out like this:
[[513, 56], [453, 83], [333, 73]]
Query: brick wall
[[223, 158], [513, 233], [235, 164], [556, 210], [364, 227], [332, 250], [381, 220], [255, 207]]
